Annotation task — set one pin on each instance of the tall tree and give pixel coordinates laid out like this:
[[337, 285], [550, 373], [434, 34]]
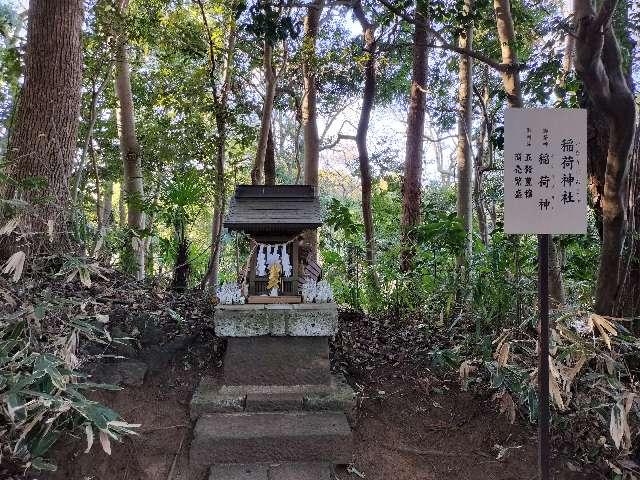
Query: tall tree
[[368, 97], [629, 296], [43, 141], [257, 173], [599, 64], [130, 149], [483, 151], [412, 182], [220, 96], [309, 104], [309, 100], [464, 153], [507, 38], [513, 90]]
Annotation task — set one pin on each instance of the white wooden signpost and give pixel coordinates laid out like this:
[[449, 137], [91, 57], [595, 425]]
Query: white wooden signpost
[[545, 192], [545, 171]]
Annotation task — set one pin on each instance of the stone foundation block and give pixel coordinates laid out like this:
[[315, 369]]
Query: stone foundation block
[[255, 320], [277, 361]]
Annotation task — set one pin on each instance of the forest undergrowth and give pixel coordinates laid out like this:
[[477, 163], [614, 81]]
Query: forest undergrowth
[[56, 325]]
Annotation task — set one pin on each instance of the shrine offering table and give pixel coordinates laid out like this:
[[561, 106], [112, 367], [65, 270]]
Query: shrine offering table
[[277, 411]]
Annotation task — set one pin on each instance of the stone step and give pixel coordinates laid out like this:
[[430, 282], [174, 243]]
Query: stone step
[[266, 471], [211, 397], [246, 438]]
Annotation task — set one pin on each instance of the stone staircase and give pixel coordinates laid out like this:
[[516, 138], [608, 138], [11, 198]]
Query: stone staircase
[[278, 413]]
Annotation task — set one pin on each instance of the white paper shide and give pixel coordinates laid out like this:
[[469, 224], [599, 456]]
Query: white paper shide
[[230, 294], [317, 292]]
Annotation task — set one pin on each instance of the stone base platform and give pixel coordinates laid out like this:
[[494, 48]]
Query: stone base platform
[[266, 471], [211, 397], [277, 413]]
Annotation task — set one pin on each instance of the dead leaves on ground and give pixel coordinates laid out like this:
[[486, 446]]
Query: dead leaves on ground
[[619, 424], [605, 327]]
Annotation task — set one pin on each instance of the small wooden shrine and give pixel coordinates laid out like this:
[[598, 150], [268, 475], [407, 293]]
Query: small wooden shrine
[[275, 217]]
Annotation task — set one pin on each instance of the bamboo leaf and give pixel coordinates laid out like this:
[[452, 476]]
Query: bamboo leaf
[[89, 432], [15, 265], [105, 442]]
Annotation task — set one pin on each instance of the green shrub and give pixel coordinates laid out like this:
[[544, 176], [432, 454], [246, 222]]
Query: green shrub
[[42, 393]]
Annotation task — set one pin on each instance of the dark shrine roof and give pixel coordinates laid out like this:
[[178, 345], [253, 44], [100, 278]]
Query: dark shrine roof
[[273, 209]]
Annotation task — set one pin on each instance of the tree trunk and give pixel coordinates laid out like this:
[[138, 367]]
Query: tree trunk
[[511, 83], [597, 147], [93, 116], [257, 173], [181, 268], [556, 287], [122, 207], [599, 64], [105, 207], [104, 213], [270, 161], [464, 154], [45, 127], [567, 55], [132, 165], [506, 35], [309, 108], [368, 97], [630, 292], [12, 38], [479, 167], [412, 182], [220, 104]]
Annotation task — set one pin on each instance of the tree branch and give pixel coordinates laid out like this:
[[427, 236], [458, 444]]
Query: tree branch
[[444, 44], [341, 136]]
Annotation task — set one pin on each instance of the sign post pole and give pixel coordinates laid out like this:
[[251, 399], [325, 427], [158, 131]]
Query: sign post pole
[[543, 360]]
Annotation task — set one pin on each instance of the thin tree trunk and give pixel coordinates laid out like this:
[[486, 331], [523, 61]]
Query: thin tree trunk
[[182, 268], [368, 97], [105, 208], [511, 83], [122, 206], [599, 64], [270, 161], [464, 154], [257, 173], [130, 150], [45, 128], [12, 39], [506, 35], [93, 115], [412, 182], [220, 101], [478, 187], [567, 55], [556, 287], [630, 291], [309, 107]]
